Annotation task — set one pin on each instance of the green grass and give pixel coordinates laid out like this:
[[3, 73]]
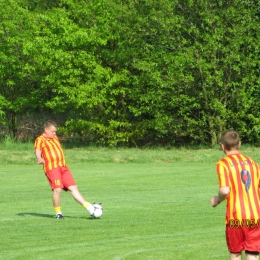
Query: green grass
[[156, 206], [12, 152]]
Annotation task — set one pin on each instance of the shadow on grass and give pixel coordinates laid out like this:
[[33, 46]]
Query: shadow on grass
[[34, 214], [23, 214]]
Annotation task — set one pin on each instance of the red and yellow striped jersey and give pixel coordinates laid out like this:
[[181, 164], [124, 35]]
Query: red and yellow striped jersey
[[51, 152], [242, 175]]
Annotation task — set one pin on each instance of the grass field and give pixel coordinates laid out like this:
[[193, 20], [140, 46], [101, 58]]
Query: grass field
[[156, 206]]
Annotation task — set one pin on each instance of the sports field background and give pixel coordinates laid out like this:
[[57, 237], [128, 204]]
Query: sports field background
[[156, 206]]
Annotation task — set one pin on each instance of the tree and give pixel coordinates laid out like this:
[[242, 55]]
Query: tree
[[17, 85], [222, 48], [133, 71]]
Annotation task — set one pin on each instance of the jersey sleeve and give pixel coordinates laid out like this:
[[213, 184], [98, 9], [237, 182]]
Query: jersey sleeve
[[38, 144], [258, 170], [222, 175]]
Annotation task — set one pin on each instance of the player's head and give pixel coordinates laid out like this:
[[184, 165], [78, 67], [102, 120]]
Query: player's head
[[50, 128], [230, 140]]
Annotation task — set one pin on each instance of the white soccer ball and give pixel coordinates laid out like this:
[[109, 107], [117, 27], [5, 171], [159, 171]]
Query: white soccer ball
[[98, 211]]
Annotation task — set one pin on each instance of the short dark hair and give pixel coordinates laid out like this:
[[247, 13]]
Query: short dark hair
[[49, 123], [230, 139]]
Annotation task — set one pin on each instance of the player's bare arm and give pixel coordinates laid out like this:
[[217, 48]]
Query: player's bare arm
[[222, 195], [38, 154]]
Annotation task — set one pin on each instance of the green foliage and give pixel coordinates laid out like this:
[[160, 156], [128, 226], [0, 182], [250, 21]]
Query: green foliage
[[222, 62], [133, 72], [17, 72]]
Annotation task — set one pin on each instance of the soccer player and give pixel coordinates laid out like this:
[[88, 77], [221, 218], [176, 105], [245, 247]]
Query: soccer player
[[48, 152], [239, 182]]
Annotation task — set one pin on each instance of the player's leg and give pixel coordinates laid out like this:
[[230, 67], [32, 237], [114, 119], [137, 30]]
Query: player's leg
[[80, 199], [252, 255], [56, 202], [54, 178], [56, 197], [235, 256], [70, 184], [77, 195]]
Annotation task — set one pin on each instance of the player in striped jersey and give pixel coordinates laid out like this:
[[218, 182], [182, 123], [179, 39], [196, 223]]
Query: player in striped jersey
[[239, 185], [48, 152]]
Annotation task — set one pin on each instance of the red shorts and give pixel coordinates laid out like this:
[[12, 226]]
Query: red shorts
[[60, 177], [243, 238]]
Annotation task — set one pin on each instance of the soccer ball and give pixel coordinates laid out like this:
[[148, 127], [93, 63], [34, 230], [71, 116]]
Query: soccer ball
[[98, 211]]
